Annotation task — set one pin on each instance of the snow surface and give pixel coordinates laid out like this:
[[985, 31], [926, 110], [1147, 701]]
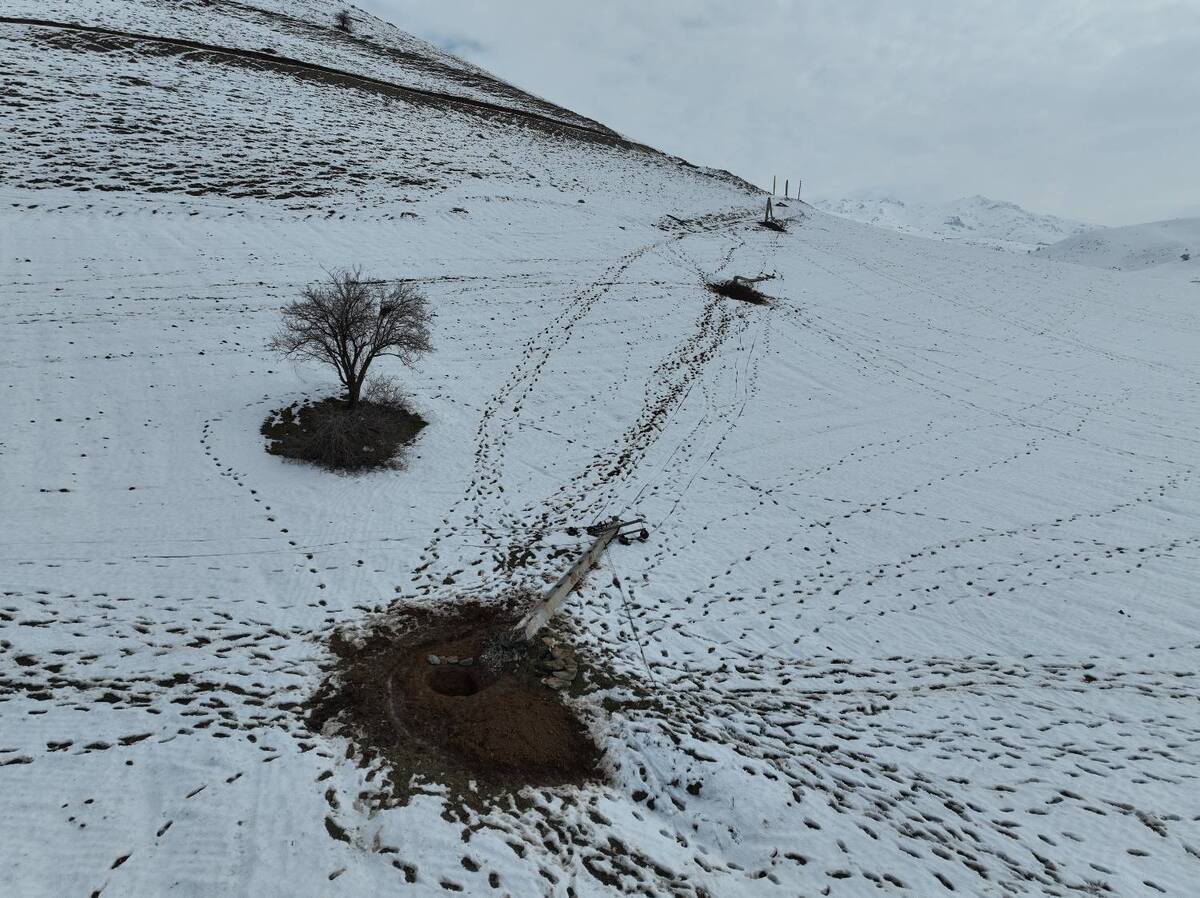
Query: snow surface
[[1134, 247], [919, 603], [975, 220]]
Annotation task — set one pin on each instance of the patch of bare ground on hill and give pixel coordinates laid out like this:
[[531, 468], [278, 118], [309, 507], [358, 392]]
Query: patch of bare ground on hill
[[741, 289], [437, 695]]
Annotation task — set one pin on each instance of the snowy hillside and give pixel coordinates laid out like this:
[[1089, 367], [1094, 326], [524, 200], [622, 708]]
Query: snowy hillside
[[292, 31], [1134, 247], [916, 615], [975, 220]]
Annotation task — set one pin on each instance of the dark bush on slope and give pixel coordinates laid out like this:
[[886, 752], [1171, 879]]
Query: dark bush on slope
[[740, 289]]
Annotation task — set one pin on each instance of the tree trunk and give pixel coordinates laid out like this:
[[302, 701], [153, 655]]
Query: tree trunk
[[354, 387]]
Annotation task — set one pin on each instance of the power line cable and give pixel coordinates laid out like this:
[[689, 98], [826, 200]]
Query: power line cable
[[629, 614]]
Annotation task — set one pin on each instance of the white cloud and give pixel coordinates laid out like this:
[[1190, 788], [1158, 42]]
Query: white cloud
[[1084, 108]]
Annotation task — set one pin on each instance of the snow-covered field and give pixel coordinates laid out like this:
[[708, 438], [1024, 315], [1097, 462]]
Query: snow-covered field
[[919, 602], [973, 220]]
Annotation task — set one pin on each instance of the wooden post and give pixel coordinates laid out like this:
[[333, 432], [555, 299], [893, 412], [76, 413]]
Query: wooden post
[[773, 177], [785, 188]]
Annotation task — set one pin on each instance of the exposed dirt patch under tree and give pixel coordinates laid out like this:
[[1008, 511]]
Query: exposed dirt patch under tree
[[331, 434]]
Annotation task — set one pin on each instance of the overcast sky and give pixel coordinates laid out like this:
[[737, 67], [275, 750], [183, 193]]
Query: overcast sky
[[1083, 108]]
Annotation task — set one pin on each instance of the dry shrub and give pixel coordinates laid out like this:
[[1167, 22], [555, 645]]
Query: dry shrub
[[386, 391]]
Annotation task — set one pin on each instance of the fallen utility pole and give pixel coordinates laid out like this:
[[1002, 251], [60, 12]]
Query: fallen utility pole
[[603, 535]]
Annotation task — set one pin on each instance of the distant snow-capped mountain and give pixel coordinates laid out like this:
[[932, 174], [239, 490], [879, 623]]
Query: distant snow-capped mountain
[[976, 220]]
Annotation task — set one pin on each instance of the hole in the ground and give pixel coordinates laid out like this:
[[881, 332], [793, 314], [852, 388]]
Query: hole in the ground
[[456, 681], [493, 721]]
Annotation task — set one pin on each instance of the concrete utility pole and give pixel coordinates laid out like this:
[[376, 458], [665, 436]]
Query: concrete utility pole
[[603, 535]]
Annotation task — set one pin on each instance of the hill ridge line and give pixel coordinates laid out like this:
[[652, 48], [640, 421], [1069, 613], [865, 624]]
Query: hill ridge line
[[600, 134]]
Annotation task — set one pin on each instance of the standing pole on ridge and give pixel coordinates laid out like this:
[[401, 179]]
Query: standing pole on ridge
[[773, 177], [785, 188]]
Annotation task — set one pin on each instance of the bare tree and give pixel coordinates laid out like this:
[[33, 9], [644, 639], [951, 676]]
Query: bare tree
[[349, 321], [343, 21]]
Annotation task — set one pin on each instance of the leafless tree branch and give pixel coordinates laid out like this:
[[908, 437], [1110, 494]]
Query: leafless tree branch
[[349, 321]]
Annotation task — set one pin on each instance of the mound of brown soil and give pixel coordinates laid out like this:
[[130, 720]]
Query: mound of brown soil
[[436, 698], [504, 724]]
